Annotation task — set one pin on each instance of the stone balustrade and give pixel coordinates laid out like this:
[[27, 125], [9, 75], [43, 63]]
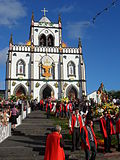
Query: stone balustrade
[[38, 49]]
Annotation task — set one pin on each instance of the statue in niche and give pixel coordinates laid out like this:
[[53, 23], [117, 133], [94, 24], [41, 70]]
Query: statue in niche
[[43, 40], [50, 41]]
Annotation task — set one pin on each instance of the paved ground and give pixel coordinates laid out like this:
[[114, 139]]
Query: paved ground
[[28, 141]]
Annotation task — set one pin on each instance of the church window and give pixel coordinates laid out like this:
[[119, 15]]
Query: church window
[[20, 67], [42, 40], [50, 41], [71, 69]]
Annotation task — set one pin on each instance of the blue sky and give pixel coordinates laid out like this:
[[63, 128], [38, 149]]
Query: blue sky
[[100, 41]]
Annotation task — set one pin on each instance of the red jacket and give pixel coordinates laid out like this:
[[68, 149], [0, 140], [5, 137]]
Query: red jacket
[[47, 106], [66, 105], [61, 107], [41, 102], [70, 107], [73, 121], [53, 150], [87, 139], [103, 122], [118, 126]]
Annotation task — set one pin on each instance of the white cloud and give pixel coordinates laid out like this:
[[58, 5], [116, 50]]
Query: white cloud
[[3, 55], [64, 9], [11, 11], [77, 29]]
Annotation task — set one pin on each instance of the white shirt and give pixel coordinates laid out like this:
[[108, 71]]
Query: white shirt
[[77, 124], [83, 119]]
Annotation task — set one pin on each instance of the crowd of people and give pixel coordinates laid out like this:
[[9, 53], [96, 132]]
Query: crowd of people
[[81, 124], [80, 115], [9, 112]]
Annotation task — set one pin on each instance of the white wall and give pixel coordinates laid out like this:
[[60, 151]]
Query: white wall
[[93, 95]]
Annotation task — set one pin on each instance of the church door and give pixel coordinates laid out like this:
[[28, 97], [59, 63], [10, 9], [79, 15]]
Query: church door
[[20, 90], [71, 93], [47, 92]]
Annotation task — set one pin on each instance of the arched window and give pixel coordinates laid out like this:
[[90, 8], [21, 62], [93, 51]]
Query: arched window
[[71, 69], [42, 40], [20, 66], [50, 41]]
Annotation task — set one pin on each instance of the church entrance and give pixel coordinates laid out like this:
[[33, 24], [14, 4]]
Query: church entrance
[[46, 92], [71, 92], [20, 90]]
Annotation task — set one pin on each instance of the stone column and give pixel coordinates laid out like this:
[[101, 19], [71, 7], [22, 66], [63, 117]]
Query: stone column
[[32, 70], [82, 71], [61, 73], [9, 66]]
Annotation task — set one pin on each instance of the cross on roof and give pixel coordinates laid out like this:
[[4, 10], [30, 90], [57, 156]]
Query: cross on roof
[[44, 12]]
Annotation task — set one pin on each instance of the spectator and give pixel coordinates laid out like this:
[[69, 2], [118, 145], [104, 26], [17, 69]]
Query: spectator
[[14, 117]]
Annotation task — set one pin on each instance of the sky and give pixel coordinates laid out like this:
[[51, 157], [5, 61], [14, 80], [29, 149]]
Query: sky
[[100, 40]]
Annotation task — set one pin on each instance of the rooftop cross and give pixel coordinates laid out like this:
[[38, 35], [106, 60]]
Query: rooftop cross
[[44, 12]]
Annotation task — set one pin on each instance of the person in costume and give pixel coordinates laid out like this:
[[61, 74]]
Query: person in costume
[[118, 129], [41, 104], [89, 142], [61, 109], [76, 125], [48, 109], [108, 130], [103, 119], [54, 145]]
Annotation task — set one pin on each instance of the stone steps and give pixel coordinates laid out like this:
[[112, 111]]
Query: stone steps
[[28, 140]]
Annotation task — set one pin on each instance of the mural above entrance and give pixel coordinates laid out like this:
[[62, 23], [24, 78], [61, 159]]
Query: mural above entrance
[[47, 65]]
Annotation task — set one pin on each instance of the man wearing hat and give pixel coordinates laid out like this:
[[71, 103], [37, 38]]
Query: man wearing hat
[[89, 142], [76, 125]]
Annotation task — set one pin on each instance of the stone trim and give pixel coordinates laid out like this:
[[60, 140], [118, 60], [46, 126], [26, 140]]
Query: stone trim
[[44, 80]]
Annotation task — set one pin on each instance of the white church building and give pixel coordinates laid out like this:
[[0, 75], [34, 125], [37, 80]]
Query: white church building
[[45, 66]]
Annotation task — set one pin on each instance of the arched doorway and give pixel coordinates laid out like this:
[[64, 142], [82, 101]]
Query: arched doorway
[[71, 92], [20, 90], [46, 91]]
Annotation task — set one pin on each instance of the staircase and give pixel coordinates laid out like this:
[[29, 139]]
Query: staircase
[[28, 140]]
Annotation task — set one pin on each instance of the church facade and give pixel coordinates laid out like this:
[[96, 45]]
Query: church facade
[[45, 66]]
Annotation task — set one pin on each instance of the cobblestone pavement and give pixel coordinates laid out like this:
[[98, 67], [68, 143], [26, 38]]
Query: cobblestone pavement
[[28, 141]]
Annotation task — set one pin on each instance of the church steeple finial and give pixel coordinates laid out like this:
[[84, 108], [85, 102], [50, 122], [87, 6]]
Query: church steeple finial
[[79, 43], [11, 40], [32, 18], [59, 19]]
